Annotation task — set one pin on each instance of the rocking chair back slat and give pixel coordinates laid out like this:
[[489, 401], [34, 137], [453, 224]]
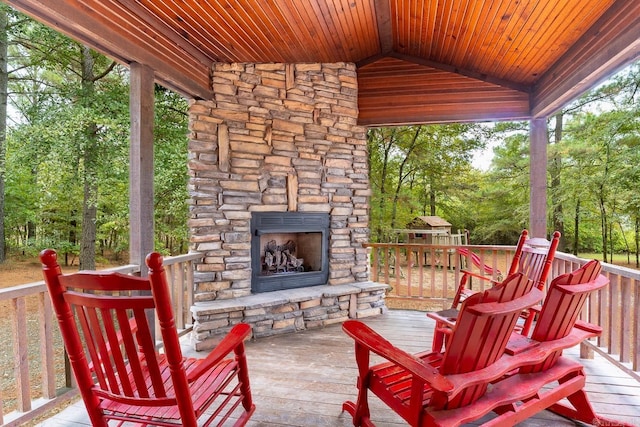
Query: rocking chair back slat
[[113, 346], [535, 258]]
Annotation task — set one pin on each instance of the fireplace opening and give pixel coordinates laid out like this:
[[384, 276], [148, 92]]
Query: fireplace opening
[[289, 250]]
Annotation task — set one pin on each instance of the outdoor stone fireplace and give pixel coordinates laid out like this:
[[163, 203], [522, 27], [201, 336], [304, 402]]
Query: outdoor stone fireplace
[[279, 141], [289, 250]]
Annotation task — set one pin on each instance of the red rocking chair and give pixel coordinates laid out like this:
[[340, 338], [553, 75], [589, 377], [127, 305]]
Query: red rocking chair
[[533, 258], [120, 374]]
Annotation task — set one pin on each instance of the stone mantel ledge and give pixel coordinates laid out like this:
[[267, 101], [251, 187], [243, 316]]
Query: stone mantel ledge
[[270, 299]]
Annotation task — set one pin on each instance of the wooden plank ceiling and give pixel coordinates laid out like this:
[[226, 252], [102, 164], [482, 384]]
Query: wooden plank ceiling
[[419, 61]]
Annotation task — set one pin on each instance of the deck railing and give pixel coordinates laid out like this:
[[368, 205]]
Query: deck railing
[[427, 276], [42, 378], [423, 275]]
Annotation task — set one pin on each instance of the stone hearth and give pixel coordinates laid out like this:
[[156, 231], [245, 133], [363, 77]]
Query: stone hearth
[[278, 138]]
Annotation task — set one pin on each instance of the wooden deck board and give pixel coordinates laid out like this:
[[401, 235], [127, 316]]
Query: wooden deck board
[[302, 379]]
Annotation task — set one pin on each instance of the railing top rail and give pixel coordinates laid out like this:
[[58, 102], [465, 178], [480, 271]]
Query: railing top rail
[[27, 289], [606, 267], [417, 245], [19, 291], [192, 256]]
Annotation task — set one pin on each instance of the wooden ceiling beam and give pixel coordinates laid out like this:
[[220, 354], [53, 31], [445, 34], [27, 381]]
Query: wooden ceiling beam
[[462, 72], [609, 45], [184, 73], [385, 27], [392, 91]]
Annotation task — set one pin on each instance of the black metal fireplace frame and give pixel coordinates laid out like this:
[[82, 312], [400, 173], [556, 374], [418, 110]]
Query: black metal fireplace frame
[[288, 222]]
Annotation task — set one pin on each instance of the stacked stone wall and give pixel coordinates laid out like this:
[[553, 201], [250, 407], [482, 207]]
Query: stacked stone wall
[[276, 137]]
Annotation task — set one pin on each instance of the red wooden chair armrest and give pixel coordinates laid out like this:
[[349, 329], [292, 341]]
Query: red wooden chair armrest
[[374, 342], [536, 309], [588, 327], [229, 343], [444, 317], [468, 291], [599, 282], [494, 308], [478, 276]]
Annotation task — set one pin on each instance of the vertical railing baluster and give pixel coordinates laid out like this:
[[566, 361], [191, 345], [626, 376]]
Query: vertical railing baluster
[[45, 323], [189, 289], [635, 363], [375, 263], [396, 263], [626, 343], [179, 301], [605, 305], [614, 314], [21, 353]]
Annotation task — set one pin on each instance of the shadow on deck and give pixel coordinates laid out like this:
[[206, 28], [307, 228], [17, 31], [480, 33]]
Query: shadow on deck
[[302, 379]]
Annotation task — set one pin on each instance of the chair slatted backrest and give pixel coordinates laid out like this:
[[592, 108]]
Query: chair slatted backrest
[[515, 286], [563, 305], [103, 319], [534, 257], [482, 331]]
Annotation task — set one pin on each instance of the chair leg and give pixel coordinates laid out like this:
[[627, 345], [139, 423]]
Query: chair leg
[[245, 386], [438, 339], [358, 419], [528, 322], [359, 411]]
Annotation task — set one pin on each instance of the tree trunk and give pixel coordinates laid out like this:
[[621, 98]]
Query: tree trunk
[[554, 170], [383, 189], [401, 177], [432, 199], [576, 228], [90, 181], [637, 231], [4, 81], [603, 228]]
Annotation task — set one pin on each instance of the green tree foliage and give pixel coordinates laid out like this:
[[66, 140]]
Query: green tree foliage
[[68, 151], [419, 170], [170, 182], [594, 172], [501, 205]]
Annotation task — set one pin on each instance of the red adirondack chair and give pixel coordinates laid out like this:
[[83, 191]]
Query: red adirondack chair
[[533, 257], [420, 388], [531, 374], [113, 354]]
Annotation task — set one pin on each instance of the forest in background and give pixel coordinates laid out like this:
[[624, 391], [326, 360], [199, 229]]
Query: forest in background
[[64, 152], [593, 174]]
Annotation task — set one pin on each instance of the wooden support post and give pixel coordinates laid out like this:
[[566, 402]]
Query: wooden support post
[[141, 165], [538, 178]]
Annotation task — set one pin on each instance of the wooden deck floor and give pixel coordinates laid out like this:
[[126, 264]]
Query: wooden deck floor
[[302, 379]]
